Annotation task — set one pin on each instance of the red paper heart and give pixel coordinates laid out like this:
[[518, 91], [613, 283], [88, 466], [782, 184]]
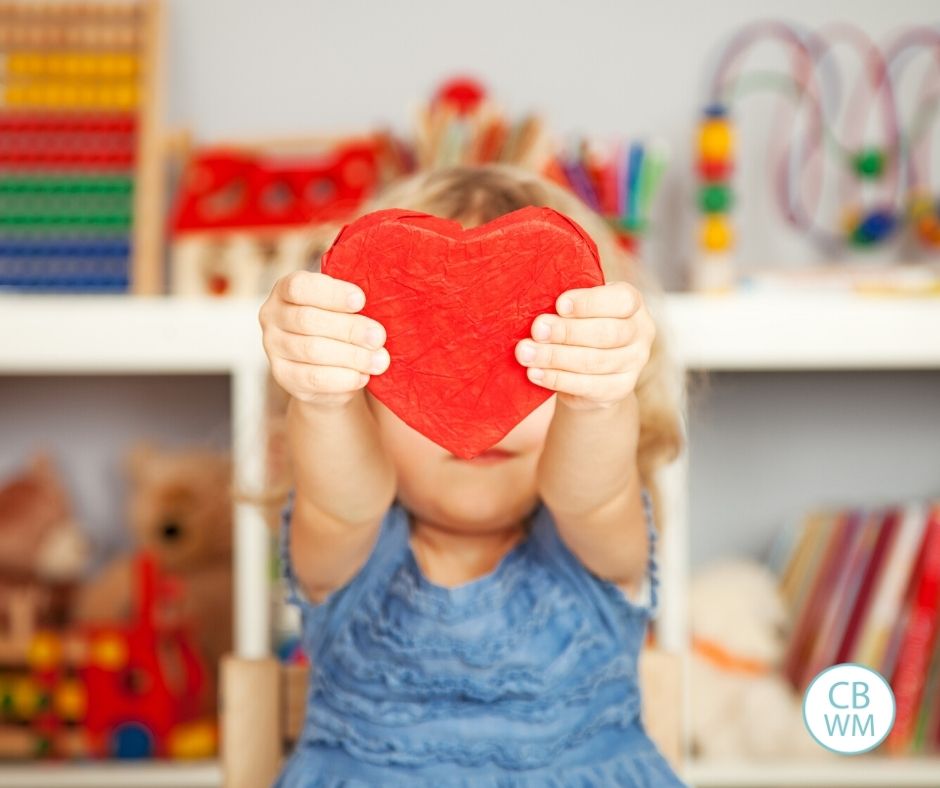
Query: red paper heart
[[454, 303]]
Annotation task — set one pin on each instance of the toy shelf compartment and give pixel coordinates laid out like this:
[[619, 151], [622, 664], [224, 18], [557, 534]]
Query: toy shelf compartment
[[120, 335], [746, 332]]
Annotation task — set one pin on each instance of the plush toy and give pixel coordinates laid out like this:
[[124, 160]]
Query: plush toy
[[180, 510], [43, 552], [39, 538], [742, 707]]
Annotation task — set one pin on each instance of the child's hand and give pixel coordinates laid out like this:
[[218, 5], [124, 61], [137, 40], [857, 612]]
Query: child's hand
[[320, 350], [590, 352]]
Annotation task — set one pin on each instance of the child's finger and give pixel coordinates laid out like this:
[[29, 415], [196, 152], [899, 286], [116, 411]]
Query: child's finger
[[314, 288], [295, 376], [601, 388], [325, 351], [617, 299], [584, 331], [312, 321], [585, 360]]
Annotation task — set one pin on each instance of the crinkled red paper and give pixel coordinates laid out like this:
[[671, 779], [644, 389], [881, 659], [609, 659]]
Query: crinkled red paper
[[454, 303]]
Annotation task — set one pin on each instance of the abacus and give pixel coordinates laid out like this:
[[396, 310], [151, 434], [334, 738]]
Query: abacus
[[80, 183]]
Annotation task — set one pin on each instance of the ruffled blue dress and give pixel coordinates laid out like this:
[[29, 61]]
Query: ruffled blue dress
[[526, 676]]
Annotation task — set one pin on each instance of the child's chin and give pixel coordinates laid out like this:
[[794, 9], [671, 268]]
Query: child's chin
[[473, 507]]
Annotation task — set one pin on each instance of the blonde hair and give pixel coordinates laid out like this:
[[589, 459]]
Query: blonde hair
[[478, 194]]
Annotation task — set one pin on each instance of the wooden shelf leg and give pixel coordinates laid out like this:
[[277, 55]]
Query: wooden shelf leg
[[250, 720]]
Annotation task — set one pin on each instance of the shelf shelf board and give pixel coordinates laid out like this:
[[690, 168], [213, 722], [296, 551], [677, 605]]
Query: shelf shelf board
[[861, 771], [858, 772], [195, 774], [49, 334], [735, 331], [812, 330]]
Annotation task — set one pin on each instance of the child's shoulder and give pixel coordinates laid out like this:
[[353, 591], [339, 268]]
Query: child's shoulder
[[642, 602], [391, 543]]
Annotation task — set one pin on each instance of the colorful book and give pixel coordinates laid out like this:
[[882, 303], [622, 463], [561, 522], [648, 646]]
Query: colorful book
[[792, 554], [890, 660], [917, 644], [820, 530], [813, 611], [884, 608], [838, 599], [887, 527], [799, 632], [928, 718]]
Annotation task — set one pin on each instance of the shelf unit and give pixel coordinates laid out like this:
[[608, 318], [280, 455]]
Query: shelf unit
[[747, 332]]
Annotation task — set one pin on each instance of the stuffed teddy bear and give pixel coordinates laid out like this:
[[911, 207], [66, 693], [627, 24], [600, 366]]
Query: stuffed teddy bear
[[180, 510], [742, 707]]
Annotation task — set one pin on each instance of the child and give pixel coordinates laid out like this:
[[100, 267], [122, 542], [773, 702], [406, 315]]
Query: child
[[475, 622]]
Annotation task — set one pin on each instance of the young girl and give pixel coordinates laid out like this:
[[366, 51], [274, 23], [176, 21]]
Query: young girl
[[475, 622]]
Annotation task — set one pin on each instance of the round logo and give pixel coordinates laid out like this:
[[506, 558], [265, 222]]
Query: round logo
[[849, 708]]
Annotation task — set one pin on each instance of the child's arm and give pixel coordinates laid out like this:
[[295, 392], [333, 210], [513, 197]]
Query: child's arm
[[322, 354], [591, 353], [588, 479]]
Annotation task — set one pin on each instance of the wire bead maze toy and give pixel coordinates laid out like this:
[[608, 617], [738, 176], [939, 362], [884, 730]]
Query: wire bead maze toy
[[850, 160]]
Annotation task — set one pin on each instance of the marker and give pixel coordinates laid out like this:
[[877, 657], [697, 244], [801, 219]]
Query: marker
[[634, 164]]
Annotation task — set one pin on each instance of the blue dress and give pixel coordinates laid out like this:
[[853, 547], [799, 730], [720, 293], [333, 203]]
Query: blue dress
[[526, 676]]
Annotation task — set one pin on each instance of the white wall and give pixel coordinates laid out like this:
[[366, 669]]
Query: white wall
[[253, 66], [766, 446]]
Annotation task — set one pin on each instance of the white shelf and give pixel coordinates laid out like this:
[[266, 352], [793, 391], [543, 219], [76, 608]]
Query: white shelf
[[202, 774], [847, 771], [124, 334], [45, 334], [746, 331], [815, 330]]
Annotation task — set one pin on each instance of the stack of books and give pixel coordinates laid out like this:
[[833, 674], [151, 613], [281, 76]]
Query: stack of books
[[863, 585]]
